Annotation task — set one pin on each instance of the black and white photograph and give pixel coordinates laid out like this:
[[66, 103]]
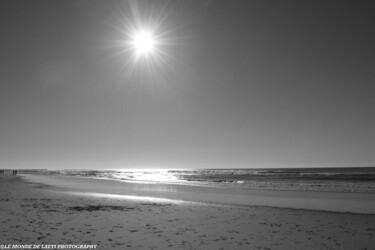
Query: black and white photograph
[[187, 124]]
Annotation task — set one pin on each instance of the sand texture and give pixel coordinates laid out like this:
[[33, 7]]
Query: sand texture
[[33, 213]]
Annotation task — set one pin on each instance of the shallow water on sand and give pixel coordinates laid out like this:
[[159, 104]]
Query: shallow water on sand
[[327, 201]]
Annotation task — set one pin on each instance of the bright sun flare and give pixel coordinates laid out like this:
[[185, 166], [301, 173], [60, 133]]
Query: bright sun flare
[[143, 42]]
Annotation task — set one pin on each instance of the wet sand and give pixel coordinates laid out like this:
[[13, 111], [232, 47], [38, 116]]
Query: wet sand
[[35, 213]]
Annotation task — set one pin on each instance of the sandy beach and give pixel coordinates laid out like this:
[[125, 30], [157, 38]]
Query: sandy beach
[[35, 213]]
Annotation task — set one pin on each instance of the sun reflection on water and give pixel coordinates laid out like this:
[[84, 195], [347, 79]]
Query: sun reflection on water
[[147, 175], [130, 197]]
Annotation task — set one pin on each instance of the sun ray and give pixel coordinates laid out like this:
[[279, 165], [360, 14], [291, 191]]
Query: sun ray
[[144, 44]]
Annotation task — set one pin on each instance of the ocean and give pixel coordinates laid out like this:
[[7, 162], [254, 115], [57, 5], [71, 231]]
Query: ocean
[[346, 180]]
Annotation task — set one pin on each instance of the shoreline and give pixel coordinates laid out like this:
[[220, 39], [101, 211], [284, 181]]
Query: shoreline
[[32, 213], [362, 203]]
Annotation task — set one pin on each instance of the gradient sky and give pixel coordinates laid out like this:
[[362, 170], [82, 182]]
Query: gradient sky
[[245, 84]]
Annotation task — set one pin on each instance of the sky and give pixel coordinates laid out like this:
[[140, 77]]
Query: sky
[[235, 84]]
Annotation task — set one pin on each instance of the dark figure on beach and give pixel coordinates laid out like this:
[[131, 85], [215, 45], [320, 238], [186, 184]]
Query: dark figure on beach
[[14, 172]]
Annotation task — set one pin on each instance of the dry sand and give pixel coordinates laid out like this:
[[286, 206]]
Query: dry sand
[[32, 213]]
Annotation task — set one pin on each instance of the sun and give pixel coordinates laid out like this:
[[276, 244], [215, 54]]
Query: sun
[[143, 42]]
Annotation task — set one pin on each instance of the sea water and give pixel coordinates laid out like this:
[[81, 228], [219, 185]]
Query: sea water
[[347, 180]]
